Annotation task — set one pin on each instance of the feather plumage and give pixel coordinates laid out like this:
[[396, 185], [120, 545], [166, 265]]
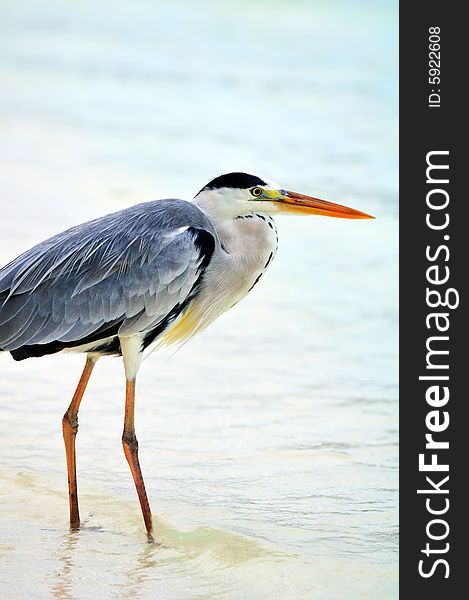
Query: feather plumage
[[119, 274]]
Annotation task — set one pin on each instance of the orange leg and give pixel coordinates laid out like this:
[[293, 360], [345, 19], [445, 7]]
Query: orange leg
[[70, 428], [130, 444]]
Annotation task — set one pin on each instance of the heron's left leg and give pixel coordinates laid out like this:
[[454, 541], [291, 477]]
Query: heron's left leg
[[70, 429]]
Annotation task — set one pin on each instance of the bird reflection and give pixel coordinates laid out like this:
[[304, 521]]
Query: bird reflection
[[133, 578], [138, 572], [63, 578]]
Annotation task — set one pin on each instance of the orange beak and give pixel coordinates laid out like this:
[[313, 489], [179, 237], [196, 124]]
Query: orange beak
[[299, 203]]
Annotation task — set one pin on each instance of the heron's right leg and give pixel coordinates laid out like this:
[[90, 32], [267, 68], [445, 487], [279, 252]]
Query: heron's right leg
[[130, 444], [70, 428]]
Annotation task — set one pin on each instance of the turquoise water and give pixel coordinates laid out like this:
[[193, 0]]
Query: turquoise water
[[269, 443]]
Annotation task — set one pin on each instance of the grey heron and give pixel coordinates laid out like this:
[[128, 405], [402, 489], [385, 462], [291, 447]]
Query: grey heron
[[149, 275]]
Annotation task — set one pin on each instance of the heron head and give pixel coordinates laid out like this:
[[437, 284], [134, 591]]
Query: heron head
[[236, 194]]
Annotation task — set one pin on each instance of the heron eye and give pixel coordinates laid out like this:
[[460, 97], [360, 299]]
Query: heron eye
[[256, 192]]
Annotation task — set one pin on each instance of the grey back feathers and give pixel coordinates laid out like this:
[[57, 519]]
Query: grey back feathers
[[121, 273]]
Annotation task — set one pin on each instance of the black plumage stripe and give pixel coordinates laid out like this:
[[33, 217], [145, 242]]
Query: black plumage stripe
[[205, 244], [271, 255], [36, 350], [234, 180]]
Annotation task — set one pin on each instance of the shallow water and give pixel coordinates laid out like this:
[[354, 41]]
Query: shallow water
[[269, 443]]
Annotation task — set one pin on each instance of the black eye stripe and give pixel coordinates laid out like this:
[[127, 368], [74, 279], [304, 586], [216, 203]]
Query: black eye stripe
[[234, 180]]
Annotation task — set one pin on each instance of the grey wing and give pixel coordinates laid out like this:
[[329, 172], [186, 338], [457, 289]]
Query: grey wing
[[120, 274]]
